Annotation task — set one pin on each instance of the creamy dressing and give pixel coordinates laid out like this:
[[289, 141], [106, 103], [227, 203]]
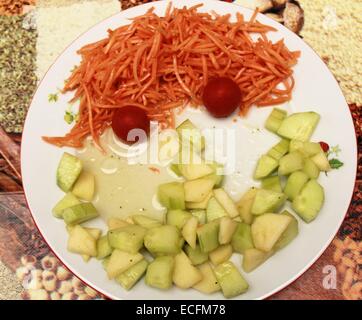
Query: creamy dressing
[[123, 189]]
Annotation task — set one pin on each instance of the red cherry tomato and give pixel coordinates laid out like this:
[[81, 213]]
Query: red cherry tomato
[[128, 118], [221, 97], [324, 146]]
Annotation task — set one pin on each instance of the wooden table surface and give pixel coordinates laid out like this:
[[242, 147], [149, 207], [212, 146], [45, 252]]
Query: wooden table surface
[[336, 275]]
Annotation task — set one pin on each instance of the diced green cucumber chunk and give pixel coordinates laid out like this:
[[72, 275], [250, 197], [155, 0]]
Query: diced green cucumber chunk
[[196, 255], [189, 134], [272, 183], [295, 183], [131, 276], [177, 218], [128, 238], [197, 190], [105, 262], [68, 171], [267, 229], [231, 281], [245, 204], [208, 236], [172, 195], [221, 254], [279, 150], [309, 201], [226, 202], [289, 234], [267, 201], [159, 272], [199, 205], [226, 230], [200, 215], [69, 200], [275, 119], [163, 240], [104, 249], [321, 161], [120, 261], [189, 231], [253, 258], [209, 283], [79, 213], [214, 210], [306, 148], [145, 222], [185, 275], [218, 175], [192, 171], [175, 169], [241, 239], [311, 169], [291, 162], [265, 166], [299, 126]]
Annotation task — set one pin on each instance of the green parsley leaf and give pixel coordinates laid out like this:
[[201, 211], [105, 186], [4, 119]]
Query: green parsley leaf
[[335, 163], [68, 117], [53, 97]]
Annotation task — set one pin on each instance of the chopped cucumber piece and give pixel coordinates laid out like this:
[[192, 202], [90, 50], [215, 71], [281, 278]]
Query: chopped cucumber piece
[[177, 218], [185, 275], [279, 150], [208, 236], [163, 240], [121, 261], [272, 183], [245, 204], [172, 195], [145, 222], [189, 134], [217, 176], [295, 183], [226, 202], [84, 186], [68, 171], [309, 201], [82, 242], [231, 281], [311, 169], [131, 276], [79, 213], [265, 166], [267, 201], [226, 230], [197, 190], [194, 171], [115, 223], [200, 215], [209, 283], [104, 249], [214, 210], [221, 254], [299, 126], [199, 205], [241, 239], [129, 238], [274, 121], [291, 162], [189, 231], [253, 258], [175, 169], [69, 200], [321, 161], [159, 272], [267, 229], [196, 255], [306, 148], [289, 234]]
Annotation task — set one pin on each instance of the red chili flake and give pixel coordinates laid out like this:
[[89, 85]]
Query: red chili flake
[[324, 146]]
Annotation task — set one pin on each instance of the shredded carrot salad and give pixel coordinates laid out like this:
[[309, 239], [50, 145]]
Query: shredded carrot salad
[[162, 63]]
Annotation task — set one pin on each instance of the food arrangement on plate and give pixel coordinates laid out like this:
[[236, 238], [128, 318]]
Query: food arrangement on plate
[[176, 222]]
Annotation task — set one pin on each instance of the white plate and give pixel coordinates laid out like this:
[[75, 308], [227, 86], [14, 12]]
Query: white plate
[[316, 89]]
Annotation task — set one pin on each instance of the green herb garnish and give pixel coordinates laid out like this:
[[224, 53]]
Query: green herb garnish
[[68, 117], [335, 163], [53, 97]]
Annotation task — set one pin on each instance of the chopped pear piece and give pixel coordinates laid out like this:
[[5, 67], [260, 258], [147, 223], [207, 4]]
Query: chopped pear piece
[[226, 202], [267, 201], [159, 272], [226, 230], [253, 258], [265, 166], [197, 190], [306, 148], [189, 231], [84, 186], [267, 229], [120, 261], [221, 254], [185, 275], [309, 201], [245, 204], [289, 234], [231, 281], [214, 210], [82, 242], [321, 161], [209, 283]]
